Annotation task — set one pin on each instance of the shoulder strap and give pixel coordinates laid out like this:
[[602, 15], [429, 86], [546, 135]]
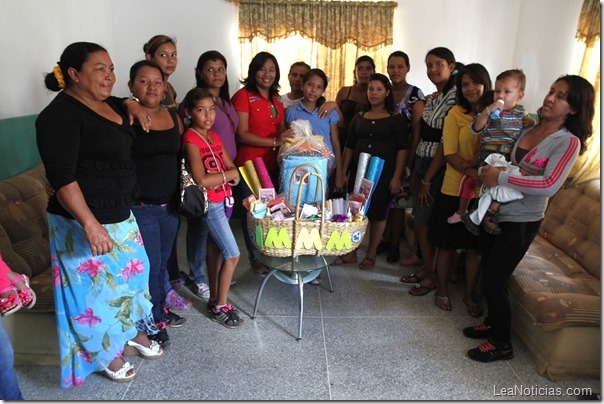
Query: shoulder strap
[[349, 90]]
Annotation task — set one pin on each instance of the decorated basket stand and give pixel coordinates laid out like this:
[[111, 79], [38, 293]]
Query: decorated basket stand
[[307, 242], [287, 238]]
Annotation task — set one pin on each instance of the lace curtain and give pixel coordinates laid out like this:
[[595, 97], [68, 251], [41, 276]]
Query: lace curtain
[[329, 35], [587, 166]]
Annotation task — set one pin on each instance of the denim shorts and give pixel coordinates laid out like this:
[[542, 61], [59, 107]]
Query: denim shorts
[[220, 230]]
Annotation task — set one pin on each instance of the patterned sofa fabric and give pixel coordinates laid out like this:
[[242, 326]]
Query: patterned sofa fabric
[[572, 224], [24, 232], [555, 290]]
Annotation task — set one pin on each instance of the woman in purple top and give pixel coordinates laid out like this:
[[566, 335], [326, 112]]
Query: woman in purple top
[[211, 73]]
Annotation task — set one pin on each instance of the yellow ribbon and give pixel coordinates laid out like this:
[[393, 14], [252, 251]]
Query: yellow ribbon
[[59, 76]]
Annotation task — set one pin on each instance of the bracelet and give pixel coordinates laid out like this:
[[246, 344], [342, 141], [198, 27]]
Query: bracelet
[[274, 143], [425, 183], [131, 98], [224, 181]]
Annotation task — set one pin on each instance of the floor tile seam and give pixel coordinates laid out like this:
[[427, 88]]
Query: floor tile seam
[[421, 316], [520, 381], [325, 346], [129, 384]]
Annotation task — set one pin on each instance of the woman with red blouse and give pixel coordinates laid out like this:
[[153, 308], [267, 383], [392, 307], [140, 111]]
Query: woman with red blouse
[[261, 129]]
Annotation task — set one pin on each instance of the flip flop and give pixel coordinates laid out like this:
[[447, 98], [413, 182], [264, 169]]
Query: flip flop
[[474, 310], [419, 290], [367, 263], [412, 278], [411, 261], [442, 302], [341, 261]]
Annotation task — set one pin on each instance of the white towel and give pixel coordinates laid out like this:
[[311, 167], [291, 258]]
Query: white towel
[[499, 193]]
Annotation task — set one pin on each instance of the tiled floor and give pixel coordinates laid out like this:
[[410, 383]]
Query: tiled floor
[[368, 340]]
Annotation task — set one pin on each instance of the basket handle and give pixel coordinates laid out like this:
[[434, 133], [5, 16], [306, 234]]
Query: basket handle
[[319, 183], [291, 181]]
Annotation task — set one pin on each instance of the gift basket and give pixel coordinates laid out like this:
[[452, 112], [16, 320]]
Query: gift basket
[[303, 234], [304, 147]]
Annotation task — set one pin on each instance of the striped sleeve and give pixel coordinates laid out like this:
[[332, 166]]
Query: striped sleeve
[[560, 160]]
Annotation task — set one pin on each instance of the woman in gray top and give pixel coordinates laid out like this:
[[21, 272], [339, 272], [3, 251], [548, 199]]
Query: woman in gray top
[[545, 154]]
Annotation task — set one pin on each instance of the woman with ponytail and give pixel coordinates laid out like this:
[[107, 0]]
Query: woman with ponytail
[[428, 166]]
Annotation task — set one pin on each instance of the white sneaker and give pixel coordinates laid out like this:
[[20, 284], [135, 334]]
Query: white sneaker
[[203, 290]]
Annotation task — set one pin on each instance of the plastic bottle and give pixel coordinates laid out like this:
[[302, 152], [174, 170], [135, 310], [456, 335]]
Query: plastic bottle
[[497, 112]]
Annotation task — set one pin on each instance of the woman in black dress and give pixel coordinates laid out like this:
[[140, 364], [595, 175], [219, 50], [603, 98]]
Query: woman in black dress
[[381, 132]]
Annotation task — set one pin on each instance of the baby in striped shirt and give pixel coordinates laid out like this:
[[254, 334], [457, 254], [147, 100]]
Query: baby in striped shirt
[[497, 136]]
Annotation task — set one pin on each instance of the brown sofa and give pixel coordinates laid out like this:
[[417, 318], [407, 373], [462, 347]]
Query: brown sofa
[[555, 291], [24, 247]]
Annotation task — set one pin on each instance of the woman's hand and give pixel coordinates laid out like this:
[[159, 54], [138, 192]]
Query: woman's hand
[[98, 238], [490, 175], [528, 121], [217, 185], [326, 108], [236, 178], [287, 134], [136, 111], [343, 181], [395, 186], [424, 197], [339, 184], [472, 172]]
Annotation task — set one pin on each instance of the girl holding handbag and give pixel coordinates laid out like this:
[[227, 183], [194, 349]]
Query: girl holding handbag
[[212, 168]]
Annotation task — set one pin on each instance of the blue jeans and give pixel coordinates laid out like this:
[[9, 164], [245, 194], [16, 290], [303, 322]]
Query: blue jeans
[[197, 240], [219, 229], [158, 226], [173, 270], [9, 385], [243, 191]]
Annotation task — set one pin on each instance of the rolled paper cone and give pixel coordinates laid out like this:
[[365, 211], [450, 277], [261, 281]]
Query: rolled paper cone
[[245, 177], [361, 170], [251, 173], [265, 179], [374, 171]]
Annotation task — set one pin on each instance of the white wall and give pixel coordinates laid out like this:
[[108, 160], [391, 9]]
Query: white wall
[[535, 35], [34, 33]]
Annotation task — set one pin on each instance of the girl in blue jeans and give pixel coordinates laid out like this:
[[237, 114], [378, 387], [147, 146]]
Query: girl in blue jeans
[[212, 168]]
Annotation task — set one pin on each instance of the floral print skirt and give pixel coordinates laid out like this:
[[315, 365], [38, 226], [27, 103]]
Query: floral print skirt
[[101, 301]]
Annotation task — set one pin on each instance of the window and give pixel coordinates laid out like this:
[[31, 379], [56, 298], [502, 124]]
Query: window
[[329, 35]]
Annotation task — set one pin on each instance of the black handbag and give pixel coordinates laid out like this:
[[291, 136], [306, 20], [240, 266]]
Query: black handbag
[[193, 199]]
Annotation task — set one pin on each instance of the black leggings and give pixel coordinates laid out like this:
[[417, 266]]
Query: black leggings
[[500, 256]]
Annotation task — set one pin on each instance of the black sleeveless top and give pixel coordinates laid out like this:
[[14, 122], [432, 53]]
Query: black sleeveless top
[[156, 157], [349, 109]]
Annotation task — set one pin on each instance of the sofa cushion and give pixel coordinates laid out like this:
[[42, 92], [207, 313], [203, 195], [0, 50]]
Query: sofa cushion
[[23, 222], [553, 288], [572, 223]]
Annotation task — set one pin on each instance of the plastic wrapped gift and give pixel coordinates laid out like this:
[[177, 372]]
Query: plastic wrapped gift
[[291, 174]]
